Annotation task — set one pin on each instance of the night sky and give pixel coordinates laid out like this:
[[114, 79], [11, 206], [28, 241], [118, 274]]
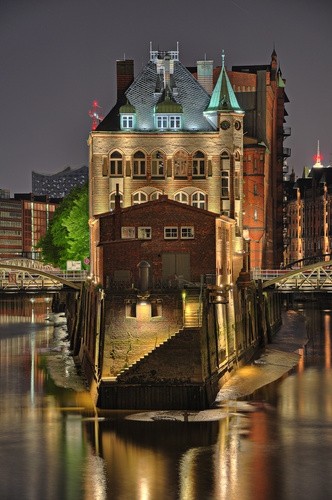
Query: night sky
[[57, 56]]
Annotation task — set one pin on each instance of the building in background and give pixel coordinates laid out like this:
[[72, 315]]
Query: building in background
[[60, 184], [260, 91], [309, 213], [4, 193], [24, 219]]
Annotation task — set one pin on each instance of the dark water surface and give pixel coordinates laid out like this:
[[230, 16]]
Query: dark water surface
[[55, 445]]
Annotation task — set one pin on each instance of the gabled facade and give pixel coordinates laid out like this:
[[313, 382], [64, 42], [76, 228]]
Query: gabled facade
[[167, 135]]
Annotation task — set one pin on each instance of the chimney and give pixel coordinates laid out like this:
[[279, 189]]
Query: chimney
[[124, 75], [205, 75]]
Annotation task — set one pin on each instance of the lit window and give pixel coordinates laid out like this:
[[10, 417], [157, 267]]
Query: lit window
[[139, 197], [157, 164], [127, 232], [172, 122], [198, 164], [198, 200], [162, 122], [127, 121], [255, 214], [187, 232], [139, 164], [116, 163], [144, 233], [182, 197], [170, 233]]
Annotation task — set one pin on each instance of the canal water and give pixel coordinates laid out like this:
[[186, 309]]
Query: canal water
[[55, 446]]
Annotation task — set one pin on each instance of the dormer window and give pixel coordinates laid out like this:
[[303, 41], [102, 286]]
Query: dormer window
[[168, 112], [127, 121], [127, 116], [168, 122]]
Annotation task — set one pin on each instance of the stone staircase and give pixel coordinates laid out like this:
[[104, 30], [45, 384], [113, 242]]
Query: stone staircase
[[193, 311]]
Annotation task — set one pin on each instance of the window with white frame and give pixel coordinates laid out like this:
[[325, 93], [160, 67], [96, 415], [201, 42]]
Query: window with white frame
[[182, 197], [155, 195], [116, 164], [199, 164], [127, 121], [198, 200], [181, 164], [157, 164], [187, 232], [172, 122], [139, 164], [127, 232], [139, 197], [144, 233], [171, 233]]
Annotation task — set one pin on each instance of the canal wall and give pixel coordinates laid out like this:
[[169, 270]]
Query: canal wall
[[171, 350]]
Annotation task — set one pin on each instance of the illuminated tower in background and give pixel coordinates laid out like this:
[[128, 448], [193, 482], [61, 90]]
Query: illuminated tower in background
[[94, 113]]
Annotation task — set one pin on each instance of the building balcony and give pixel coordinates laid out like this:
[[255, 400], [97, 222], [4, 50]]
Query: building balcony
[[286, 152], [287, 131]]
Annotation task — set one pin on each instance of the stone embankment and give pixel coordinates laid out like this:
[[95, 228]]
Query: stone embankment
[[275, 360]]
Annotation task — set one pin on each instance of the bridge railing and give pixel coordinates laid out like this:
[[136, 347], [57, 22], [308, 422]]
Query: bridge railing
[[269, 274]]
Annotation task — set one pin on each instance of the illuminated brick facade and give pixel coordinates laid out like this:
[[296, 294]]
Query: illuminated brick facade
[[220, 149]]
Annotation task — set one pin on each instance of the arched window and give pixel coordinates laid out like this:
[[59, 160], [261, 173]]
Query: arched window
[[199, 164], [155, 195], [181, 164], [157, 164], [116, 164], [139, 197], [112, 200], [182, 197], [139, 164], [224, 161], [198, 200]]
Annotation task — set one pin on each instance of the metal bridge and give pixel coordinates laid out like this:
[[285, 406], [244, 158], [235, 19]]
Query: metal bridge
[[313, 277], [30, 275]]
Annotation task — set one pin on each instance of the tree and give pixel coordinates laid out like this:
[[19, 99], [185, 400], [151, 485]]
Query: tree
[[67, 237]]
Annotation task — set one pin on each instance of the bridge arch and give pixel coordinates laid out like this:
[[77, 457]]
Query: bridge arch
[[318, 275], [36, 274]]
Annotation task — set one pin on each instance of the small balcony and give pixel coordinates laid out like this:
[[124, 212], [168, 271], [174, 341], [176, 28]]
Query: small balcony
[[286, 152], [287, 131]]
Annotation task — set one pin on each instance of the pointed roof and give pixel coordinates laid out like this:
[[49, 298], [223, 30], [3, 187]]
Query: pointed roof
[[223, 97]]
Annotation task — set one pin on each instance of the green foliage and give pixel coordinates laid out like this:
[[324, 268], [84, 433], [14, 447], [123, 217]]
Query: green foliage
[[67, 237]]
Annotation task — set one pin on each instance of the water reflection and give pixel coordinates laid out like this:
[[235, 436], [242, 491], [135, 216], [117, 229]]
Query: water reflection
[[54, 444]]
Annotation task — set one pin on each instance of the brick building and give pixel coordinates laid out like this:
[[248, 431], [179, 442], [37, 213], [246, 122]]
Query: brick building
[[167, 134], [24, 219], [180, 243], [210, 138], [309, 213]]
